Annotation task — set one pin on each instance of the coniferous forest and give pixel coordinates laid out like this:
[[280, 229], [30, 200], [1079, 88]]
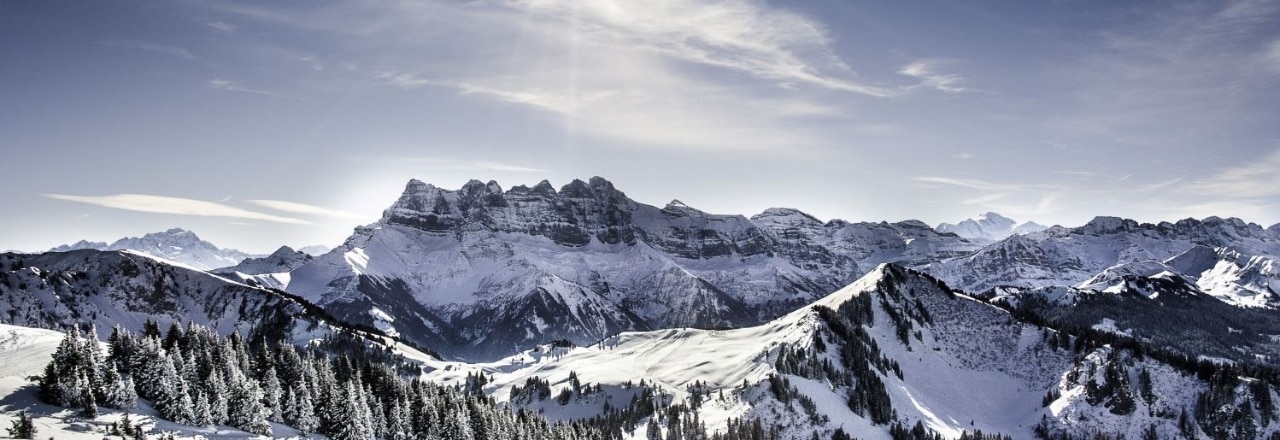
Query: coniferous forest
[[338, 387]]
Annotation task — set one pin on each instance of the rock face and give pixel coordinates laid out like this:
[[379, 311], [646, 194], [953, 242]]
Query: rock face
[[177, 245], [482, 272]]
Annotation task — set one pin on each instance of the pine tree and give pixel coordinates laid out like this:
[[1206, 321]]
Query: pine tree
[[653, 431], [172, 400], [63, 381], [353, 423], [304, 416], [245, 410], [216, 388], [147, 369], [22, 426], [271, 395], [200, 411], [88, 404], [119, 393]]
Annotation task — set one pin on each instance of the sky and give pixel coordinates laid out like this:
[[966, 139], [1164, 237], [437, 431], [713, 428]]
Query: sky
[[258, 124]]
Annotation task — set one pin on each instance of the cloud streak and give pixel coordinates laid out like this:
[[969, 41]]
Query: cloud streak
[[670, 74], [1257, 179], [929, 75], [439, 163], [748, 37], [304, 209], [174, 205], [982, 184], [232, 86], [173, 51]]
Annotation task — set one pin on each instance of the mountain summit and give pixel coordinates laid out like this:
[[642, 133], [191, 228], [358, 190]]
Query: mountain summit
[[989, 227], [177, 245]]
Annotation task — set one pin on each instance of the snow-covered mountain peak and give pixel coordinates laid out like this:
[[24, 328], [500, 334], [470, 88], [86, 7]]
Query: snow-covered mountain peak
[[988, 227], [785, 218], [680, 208], [82, 244], [994, 219], [175, 244]]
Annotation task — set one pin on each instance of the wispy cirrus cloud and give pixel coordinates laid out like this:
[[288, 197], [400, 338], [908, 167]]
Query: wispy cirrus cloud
[[931, 76], [222, 26], [1271, 57], [304, 209], [983, 184], [453, 164], [748, 37], [148, 46], [233, 86], [1258, 178], [1022, 200], [174, 205], [677, 74]]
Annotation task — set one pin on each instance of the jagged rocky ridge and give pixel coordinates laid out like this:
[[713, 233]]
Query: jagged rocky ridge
[[483, 272], [1061, 256]]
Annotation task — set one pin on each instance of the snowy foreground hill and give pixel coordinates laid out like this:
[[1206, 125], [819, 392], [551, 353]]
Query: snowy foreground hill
[[896, 347]]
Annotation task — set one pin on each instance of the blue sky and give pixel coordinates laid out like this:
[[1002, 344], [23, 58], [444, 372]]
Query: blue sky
[[257, 124]]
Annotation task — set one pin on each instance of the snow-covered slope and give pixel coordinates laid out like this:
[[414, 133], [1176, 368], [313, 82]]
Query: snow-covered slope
[[178, 245], [483, 272], [58, 289], [939, 358], [961, 361], [270, 271]]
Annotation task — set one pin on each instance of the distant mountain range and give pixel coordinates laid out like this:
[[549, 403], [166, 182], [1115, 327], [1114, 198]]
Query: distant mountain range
[[180, 246], [177, 245]]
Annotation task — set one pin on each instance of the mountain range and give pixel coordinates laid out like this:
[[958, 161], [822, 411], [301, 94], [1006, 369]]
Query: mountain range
[[580, 302], [177, 245]]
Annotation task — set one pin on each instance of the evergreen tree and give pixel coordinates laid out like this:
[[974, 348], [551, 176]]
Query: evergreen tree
[[271, 395], [119, 393], [147, 369], [200, 411], [304, 416], [244, 407], [353, 425], [22, 426], [172, 399], [653, 431], [216, 388], [88, 404]]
